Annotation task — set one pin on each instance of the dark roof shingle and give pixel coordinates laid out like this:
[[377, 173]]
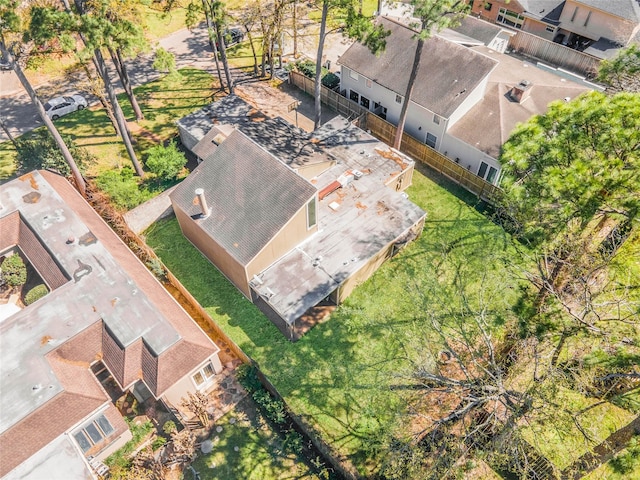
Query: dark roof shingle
[[250, 193], [446, 76]]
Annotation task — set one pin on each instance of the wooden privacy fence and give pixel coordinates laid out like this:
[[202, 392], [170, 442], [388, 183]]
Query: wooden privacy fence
[[385, 132], [554, 53], [337, 102]]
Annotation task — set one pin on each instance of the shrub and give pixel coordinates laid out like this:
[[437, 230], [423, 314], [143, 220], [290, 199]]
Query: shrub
[[36, 293], [39, 150], [158, 442], [122, 188], [165, 61], [272, 407], [14, 272], [166, 162], [169, 427]]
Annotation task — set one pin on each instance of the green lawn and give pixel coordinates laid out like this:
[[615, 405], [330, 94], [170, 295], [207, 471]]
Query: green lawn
[[560, 440], [163, 102], [624, 466], [338, 375], [248, 448]]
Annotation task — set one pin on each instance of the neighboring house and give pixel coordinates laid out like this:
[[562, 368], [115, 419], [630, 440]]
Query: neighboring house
[[473, 32], [295, 221], [597, 27], [601, 25], [540, 17], [106, 326], [466, 100]]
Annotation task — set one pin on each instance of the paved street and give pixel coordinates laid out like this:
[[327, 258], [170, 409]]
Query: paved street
[[190, 48]]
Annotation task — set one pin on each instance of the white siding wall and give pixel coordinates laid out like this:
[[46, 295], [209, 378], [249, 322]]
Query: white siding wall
[[470, 157], [186, 384], [472, 99]]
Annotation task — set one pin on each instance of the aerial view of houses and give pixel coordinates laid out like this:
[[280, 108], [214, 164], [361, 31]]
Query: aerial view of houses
[[324, 240]]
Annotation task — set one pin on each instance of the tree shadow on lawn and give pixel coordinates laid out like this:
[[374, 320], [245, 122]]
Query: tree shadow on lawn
[[261, 451]]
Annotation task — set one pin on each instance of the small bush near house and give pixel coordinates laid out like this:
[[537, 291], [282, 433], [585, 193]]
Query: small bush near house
[[122, 188], [36, 293], [13, 270], [169, 427], [166, 162]]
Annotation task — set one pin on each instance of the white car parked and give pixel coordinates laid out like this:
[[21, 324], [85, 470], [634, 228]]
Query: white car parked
[[59, 106]]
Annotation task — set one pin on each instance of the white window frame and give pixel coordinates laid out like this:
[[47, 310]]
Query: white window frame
[[435, 142], [312, 202], [436, 119], [516, 18], [354, 75], [398, 98], [206, 379], [83, 431]]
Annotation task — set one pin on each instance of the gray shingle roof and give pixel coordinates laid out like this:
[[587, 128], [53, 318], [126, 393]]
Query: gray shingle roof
[[250, 193], [479, 29], [548, 11], [447, 72], [627, 9]]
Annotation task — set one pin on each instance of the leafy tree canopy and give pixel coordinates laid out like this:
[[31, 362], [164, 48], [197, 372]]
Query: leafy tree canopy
[[580, 159], [166, 162], [622, 72], [39, 151]]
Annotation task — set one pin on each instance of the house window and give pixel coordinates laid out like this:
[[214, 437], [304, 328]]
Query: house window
[[311, 213], [368, 83], [575, 12], [436, 119], [398, 99], [587, 20], [204, 375], [488, 6], [550, 29], [353, 75], [510, 18], [482, 171], [431, 140], [364, 101], [93, 433], [491, 177], [355, 96]]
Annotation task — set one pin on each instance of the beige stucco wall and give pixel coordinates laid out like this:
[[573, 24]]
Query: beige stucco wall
[[217, 255], [116, 445], [291, 235], [310, 171], [401, 182], [369, 268], [178, 391], [601, 24], [539, 29]]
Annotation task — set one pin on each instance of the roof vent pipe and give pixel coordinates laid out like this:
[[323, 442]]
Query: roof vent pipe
[[203, 202]]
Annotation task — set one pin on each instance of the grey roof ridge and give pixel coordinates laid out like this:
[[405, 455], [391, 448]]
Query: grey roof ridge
[[281, 163], [635, 6]]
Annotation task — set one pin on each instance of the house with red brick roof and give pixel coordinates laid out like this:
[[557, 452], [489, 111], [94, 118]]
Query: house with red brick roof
[[106, 323]]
